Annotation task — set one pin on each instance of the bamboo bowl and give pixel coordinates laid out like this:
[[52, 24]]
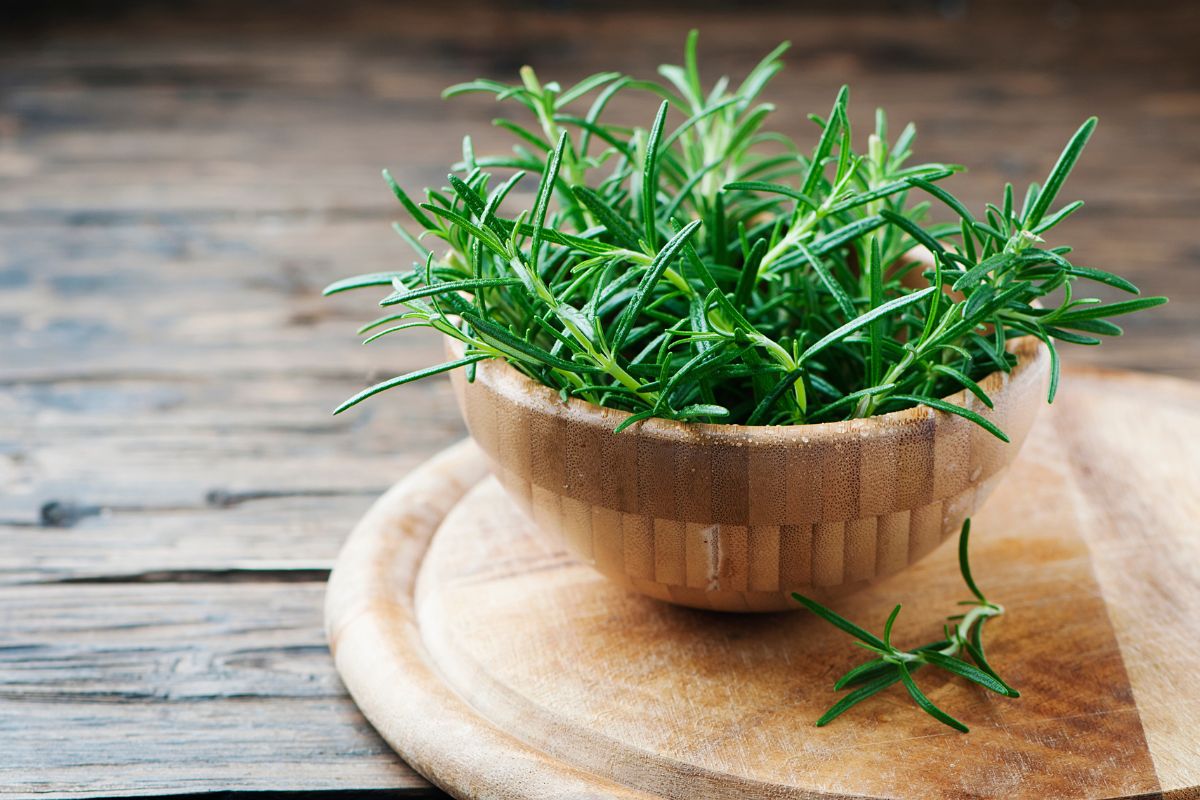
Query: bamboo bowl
[[736, 517]]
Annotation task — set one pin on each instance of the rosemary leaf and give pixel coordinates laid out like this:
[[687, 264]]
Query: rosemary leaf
[[789, 258]]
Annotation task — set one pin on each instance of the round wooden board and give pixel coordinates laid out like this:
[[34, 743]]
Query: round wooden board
[[499, 667]]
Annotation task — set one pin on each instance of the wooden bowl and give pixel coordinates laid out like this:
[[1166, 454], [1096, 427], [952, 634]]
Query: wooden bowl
[[736, 517]]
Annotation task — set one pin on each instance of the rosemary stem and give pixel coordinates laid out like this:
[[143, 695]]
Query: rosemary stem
[[614, 369], [868, 404], [605, 361], [788, 241], [609, 364], [980, 612], [782, 357]]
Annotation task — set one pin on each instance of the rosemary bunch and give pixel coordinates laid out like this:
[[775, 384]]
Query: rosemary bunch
[[707, 268], [893, 665]]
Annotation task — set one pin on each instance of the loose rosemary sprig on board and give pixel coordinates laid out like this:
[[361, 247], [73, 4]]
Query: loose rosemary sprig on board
[[706, 268], [892, 665]]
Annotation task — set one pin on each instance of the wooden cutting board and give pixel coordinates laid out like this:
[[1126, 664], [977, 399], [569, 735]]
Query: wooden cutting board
[[499, 667]]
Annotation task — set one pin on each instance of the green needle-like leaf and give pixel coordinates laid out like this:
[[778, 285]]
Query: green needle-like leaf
[[1100, 276], [974, 647], [858, 695], [519, 348], [970, 385], [633, 419], [466, 285], [1109, 310], [829, 282], [772, 397], [1058, 175], [650, 178], [895, 187], [840, 622], [914, 230], [828, 137], [607, 216], [749, 276], [950, 408], [408, 204], [863, 320], [653, 275], [362, 281], [964, 562], [792, 290], [409, 378], [893, 664], [887, 626], [772, 188], [969, 672], [542, 204], [868, 670], [926, 704], [401, 327]]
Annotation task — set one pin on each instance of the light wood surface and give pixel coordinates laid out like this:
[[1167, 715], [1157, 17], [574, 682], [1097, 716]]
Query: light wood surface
[[179, 180], [475, 643], [736, 517]]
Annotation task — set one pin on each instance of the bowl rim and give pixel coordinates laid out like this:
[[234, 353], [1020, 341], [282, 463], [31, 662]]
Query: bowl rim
[[507, 381]]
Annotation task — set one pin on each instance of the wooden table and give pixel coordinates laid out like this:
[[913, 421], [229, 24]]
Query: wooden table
[[174, 191]]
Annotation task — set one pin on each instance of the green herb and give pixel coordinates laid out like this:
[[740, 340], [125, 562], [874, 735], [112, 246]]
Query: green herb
[[892, 665], [707, 268]]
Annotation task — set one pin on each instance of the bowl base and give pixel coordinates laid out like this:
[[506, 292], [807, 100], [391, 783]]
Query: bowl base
[[742, 568]]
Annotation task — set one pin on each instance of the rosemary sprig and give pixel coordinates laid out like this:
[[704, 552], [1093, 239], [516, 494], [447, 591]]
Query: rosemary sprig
[[892, 665], [707, 268]]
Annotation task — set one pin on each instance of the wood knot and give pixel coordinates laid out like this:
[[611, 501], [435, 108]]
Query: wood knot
[[65, 513]]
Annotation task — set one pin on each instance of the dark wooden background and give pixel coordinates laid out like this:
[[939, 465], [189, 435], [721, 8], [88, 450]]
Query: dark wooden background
[[178, 181]]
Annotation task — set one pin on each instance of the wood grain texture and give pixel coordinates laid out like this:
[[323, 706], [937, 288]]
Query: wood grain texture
[[1135, 500], [157, 689], [567, 671], [178, 181], [735, 508]]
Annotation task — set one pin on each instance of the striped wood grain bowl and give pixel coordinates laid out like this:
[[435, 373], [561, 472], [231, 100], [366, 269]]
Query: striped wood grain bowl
[[735, 517]]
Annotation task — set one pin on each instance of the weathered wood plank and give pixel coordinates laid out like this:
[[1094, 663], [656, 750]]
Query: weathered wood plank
[[286, 538], [178, 446], [140, 479], [145, 689]]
